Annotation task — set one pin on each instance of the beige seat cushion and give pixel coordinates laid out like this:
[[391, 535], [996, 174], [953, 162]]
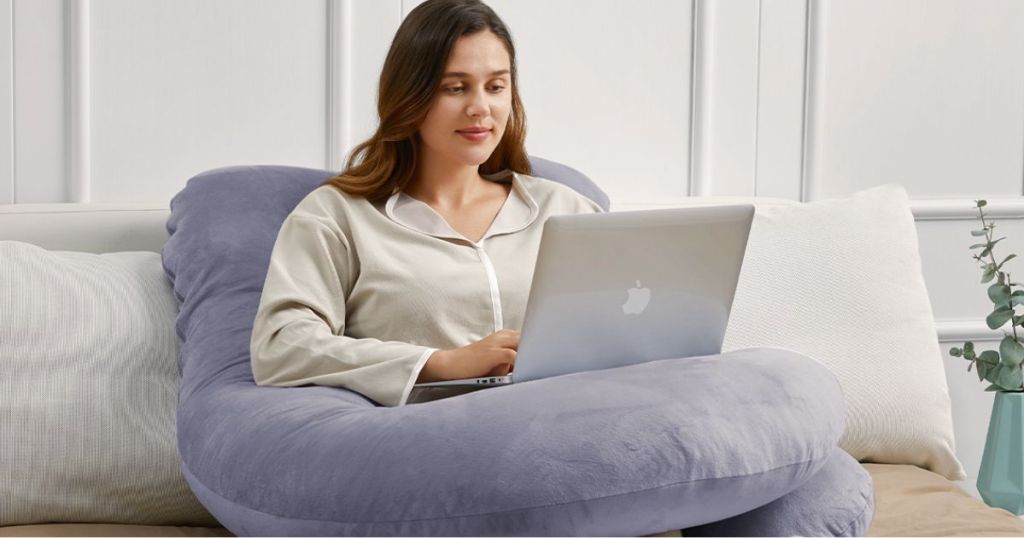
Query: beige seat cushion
[[98, 529], [910, 501]]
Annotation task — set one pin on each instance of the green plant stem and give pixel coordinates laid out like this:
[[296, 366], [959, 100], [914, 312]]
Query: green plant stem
[[992, 256]]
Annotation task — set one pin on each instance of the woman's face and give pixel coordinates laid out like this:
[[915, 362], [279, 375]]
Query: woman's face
[[468, 115]]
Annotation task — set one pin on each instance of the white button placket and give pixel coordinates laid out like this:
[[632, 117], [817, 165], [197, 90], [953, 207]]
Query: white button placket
[[492, 281], [418, 216]]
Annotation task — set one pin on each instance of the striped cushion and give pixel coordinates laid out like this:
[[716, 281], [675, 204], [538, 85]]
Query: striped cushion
[[88, 388]]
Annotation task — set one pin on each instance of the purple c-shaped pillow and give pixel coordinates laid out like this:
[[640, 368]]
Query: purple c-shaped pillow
[[628, 451]]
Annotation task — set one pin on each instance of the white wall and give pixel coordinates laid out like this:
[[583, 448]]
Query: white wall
[[124, 100]]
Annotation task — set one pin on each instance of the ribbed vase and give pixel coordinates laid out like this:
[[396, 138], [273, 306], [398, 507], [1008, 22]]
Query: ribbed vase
[[1001, 477]]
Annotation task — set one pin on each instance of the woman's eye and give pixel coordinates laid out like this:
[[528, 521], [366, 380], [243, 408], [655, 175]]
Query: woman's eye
[[457, 89]]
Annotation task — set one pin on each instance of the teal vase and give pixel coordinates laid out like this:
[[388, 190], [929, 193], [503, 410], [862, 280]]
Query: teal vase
[[1001, 477]]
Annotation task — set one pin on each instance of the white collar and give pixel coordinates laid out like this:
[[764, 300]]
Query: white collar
[[518, 211]]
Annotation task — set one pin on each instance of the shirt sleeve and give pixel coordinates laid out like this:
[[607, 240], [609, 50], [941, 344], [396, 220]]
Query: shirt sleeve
[[298, 333]]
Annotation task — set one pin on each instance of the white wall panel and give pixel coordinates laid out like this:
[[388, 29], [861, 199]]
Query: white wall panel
[[78, 100], [926, 93], [952, 276], [778, 154], [6, 103], [362, 44], [182, 86], [725, 98], [40, 148]]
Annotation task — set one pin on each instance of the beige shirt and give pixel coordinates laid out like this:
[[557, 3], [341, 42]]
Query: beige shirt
[[359, 295]]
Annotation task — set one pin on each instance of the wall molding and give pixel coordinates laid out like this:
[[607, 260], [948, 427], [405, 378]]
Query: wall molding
[[923, 210], [725, 93], [78, 119], [812, 73], [964, 209], [956, 331], [339, 82], [698, 46]]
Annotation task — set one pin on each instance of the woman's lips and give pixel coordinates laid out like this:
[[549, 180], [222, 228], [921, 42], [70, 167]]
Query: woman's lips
[[474, 136]]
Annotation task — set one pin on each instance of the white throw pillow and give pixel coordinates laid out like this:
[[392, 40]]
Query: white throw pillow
[[840, 281], [88, 390]]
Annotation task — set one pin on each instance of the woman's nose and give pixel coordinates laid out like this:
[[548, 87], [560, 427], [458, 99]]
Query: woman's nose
[[478, 105]]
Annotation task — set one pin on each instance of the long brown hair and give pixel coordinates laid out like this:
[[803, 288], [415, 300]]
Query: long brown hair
[[385, 163]]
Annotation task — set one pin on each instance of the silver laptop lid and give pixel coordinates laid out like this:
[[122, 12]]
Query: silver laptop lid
[[614, 289]]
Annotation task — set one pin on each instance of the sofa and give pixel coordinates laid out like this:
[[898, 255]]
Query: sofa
[[88, 487]]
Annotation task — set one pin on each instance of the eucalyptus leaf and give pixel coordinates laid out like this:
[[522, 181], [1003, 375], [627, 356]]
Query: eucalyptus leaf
[[1018, 379], [982, 370], [999, 294], [981, 203], [1006, 259], [978, 245], [979, 233], [956, 352], [993, 388], [968, 346], [992, 374], [1017, 320], [990, 357], [990, 273], [1011, 352], [990, 245], [999, 317], [1010, 378]]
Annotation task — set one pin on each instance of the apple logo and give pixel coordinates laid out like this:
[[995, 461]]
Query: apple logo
[[638, 299]]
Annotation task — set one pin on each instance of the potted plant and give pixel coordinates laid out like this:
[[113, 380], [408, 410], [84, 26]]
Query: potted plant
[[1001, 477]]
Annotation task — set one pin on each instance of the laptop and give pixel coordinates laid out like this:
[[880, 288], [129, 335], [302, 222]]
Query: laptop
[[623, 288]]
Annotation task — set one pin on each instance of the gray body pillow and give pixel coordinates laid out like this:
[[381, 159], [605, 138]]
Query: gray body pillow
[[839, 500], [629, 451]]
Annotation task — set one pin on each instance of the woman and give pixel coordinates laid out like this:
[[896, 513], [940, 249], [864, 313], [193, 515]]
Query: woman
[[414, 263]]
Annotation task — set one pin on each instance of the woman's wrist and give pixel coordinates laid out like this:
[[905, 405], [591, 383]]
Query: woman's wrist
[[434, 368]]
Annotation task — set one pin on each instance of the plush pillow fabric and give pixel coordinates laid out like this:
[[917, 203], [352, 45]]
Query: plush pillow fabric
[[88, 385], [840, 281], [571, 177], [630, 451], [839, 500]]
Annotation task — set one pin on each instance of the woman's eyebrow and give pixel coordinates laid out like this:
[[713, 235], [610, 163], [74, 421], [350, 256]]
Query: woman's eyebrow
[[467, 75]]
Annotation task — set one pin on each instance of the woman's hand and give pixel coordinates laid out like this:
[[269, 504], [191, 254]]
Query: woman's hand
[[494, 355]]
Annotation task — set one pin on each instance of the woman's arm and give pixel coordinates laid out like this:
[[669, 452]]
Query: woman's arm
[[494, 355], [298, 333]]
